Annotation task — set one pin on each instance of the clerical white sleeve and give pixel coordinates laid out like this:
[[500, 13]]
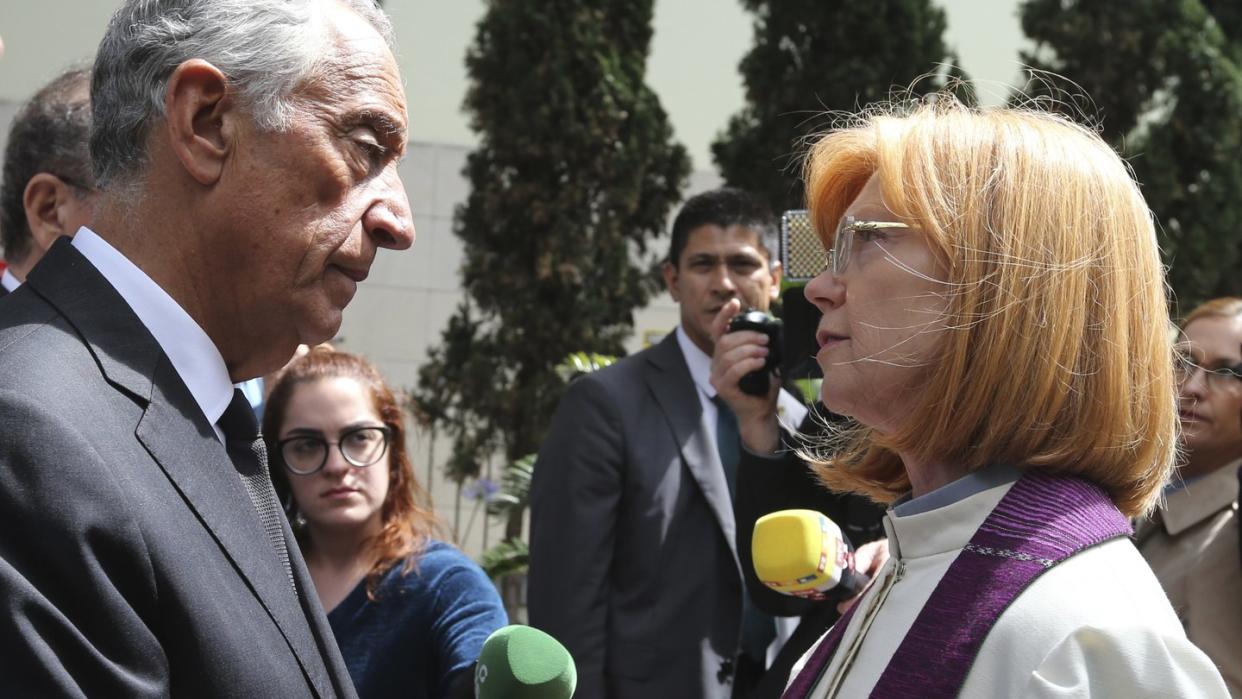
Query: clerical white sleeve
[[1125, 663]]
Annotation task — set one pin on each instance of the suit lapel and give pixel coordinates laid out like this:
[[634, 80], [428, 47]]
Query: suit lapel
[[198, 465], [678, 398], [314, 613], [126, 352], [178, 437]]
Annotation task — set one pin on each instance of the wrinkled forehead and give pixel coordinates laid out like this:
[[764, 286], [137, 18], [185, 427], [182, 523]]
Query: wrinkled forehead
[[358, 62]]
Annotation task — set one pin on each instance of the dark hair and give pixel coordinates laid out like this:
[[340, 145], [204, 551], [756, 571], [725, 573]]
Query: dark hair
[[51, 133], [724, 207], [407, 519]]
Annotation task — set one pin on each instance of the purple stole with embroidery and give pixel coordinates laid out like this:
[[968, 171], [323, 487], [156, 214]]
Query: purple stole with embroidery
[[1040, 522]]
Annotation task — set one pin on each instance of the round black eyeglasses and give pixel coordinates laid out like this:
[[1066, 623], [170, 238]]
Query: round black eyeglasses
[[307, 454]]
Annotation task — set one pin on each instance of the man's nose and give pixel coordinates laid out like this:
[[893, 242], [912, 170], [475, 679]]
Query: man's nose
[[724, 280], [388, 220]]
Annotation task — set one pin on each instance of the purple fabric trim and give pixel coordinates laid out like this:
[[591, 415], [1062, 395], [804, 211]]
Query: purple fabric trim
[[1040, 522], [805, 680]]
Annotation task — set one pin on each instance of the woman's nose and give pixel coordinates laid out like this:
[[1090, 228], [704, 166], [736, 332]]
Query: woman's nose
[[825, 291]]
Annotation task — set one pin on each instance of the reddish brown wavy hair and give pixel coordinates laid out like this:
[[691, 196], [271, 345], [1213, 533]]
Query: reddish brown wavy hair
[[407, 518]]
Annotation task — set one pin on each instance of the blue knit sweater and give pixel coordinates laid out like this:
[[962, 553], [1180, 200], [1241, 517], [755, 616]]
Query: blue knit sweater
[[422, 630]]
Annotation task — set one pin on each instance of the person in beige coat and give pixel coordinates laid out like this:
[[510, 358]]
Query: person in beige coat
[[1191, 540]]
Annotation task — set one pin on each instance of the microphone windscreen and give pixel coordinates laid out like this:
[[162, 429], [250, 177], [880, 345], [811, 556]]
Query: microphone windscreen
[[521, 662], [800, 553]]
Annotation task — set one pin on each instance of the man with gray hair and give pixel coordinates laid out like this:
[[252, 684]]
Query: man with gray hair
[[47, 189], [246, 156]]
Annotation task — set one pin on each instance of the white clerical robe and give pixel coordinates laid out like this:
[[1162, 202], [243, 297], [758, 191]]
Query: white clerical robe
[[1096, 625]]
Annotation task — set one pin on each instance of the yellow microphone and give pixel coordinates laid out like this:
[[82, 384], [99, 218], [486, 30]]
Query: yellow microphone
[[802, 553]]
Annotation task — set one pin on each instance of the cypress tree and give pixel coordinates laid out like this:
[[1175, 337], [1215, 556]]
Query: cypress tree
[[1161, 81], [813, 56], [575, 173]]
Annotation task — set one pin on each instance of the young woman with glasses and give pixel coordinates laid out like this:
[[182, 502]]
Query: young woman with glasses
[[994, 322], [410, 613]]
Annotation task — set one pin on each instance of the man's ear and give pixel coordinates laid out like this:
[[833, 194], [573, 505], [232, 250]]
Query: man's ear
[[200, 116], [777, 272], [670, 280], [44, 200]]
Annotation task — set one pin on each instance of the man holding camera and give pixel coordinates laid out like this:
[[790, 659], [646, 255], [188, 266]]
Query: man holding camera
[[634, 565]]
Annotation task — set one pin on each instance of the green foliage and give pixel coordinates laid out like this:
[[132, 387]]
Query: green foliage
[[808, 389], [506, 558], [580, 363], [514, 495], [816, 55], [1166, 91], [575, 173]]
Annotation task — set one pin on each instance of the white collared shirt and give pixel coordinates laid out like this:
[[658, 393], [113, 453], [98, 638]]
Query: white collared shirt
[[192, 353], [789, 411], [700, 366], [8, 281]]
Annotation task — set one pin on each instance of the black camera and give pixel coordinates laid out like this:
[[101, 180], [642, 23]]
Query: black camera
[[756, 383]]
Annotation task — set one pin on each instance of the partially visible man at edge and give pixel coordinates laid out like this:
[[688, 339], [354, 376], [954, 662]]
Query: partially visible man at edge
[[246, 155], [1191, 540], [47, 189]]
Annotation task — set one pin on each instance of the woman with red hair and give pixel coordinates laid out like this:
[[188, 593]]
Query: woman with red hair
[[995, 327], [409, 612]]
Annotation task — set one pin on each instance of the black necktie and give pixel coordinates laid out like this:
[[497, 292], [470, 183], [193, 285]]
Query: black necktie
[[758, 628], [249, 455]]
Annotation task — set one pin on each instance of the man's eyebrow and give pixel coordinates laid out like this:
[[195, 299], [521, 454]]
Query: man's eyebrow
[[703, 257], [384, 125]]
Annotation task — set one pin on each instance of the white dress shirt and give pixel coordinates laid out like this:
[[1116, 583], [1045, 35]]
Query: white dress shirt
[[789, 410], [8, 281], [192, 353]]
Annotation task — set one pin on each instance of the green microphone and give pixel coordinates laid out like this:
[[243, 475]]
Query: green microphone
[[520, 662]]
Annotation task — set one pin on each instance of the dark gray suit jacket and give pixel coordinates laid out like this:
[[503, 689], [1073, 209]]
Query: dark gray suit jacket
[[132, 563], [632, 561]]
